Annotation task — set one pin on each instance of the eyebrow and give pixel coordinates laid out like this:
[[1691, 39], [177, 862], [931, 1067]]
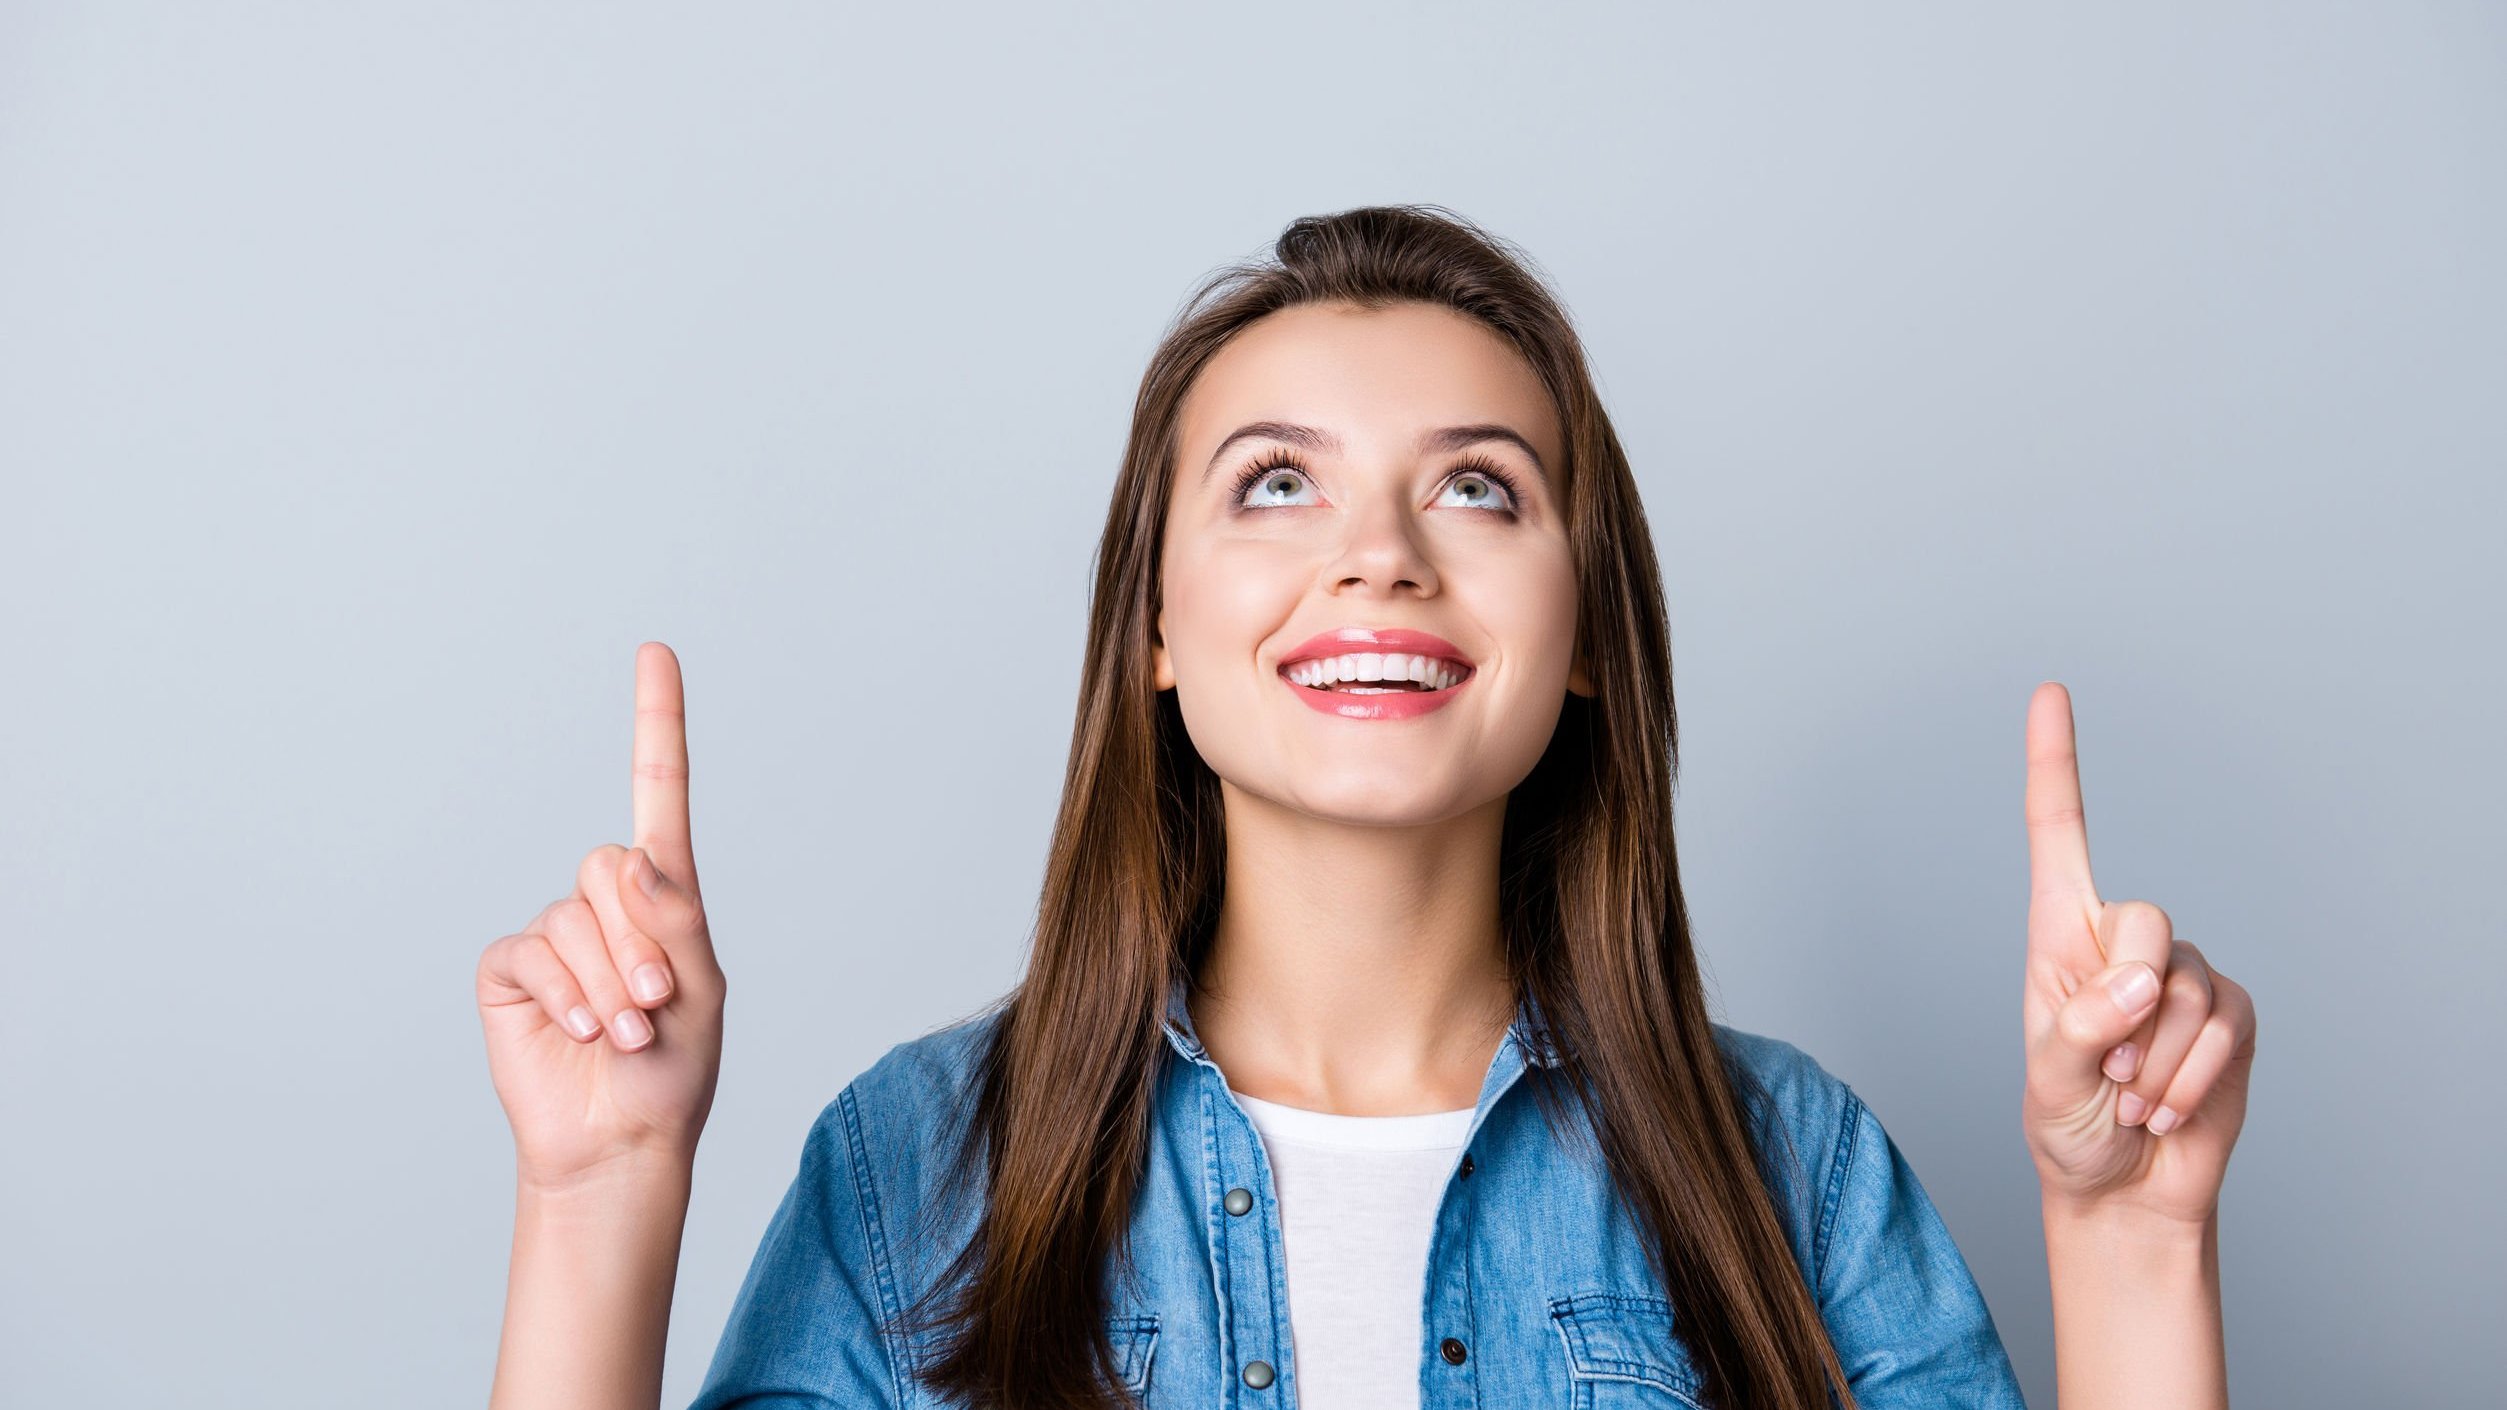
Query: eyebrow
[[1444, 439]]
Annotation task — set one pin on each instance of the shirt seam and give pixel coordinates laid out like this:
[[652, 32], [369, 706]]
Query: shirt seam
[[1840, 1165], [874, 1240], [1214, 1232]]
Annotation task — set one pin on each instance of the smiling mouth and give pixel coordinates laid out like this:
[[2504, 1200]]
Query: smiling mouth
[[1389, 674]]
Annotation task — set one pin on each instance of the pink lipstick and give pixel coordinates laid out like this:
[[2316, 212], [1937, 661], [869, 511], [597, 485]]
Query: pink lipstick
[[1371, 700]]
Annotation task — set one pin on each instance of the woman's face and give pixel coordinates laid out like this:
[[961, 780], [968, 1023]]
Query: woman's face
[[1365, 510]]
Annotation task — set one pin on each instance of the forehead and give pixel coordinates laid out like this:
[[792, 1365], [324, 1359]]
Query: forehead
[[1371, 375]]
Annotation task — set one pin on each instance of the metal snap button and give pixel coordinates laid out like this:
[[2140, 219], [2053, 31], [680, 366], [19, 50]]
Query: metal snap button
[[1453, 1350], [1257, 1374], [1239, 1200], [1466, 1165]]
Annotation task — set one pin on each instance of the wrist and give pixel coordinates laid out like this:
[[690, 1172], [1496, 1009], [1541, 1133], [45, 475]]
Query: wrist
[[588, 1292], [2136, 1306], [2121, 1233], [2127, 1218], [635, 1179]]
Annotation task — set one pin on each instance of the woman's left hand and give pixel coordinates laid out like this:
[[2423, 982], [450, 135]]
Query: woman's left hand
[[2138, 1050]]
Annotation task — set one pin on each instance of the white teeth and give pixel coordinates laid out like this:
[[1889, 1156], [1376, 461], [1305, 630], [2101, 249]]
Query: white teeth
[[1325, 672]]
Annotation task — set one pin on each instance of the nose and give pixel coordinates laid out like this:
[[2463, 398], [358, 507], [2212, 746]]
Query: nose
[[1381, 550]]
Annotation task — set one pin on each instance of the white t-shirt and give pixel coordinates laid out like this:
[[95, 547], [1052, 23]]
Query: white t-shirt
[[1358, 1197]]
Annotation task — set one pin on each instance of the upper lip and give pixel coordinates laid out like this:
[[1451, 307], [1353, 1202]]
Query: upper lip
[[1340, 641]]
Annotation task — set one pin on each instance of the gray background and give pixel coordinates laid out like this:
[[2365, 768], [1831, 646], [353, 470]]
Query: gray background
[[373, 379]]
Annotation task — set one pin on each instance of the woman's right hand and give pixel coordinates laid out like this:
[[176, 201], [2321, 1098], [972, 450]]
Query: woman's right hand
[[595, 1075]]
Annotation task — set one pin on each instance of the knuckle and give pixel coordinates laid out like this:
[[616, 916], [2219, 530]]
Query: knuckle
[[573, 918], [2141, 914], [501, 965], [2225, 1031], [537, 965], [2187, 984], [598, 866], [2238, 1007], [585, 953], [2186, 1091], [580, 950]]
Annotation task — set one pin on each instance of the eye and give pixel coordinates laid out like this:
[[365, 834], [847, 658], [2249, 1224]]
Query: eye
[[1280, 467], [1484, 482], [1479, 474]]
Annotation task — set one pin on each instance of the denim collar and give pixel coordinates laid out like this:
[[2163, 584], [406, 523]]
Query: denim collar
[[1527, 1031]]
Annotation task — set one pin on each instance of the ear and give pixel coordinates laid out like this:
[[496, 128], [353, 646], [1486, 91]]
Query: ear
[[1579, 678], [1162, 666]]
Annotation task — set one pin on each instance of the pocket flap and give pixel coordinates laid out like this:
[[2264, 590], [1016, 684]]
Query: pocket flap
[[1135, 1341], [1625, 1337]]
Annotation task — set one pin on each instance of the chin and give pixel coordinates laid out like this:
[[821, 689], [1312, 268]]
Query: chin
[[1359, 798]]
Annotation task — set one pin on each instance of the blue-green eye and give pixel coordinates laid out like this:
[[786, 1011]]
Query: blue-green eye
[[1483, 472], [1273, 471], [1280, 472]]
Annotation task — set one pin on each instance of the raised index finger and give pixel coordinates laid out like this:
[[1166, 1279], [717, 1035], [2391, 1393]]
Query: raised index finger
[[2058, 833], [661, 763]]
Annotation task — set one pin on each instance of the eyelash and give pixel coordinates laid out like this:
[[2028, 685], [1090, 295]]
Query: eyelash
[[1473, 463]]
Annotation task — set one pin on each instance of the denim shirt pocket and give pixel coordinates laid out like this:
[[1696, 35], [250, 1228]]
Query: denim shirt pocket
[[1621, 1354], [1135, 1341]]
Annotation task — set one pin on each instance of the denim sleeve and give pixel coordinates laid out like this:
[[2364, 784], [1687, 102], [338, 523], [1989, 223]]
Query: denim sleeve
[[1906, 1316], [804, 1330]]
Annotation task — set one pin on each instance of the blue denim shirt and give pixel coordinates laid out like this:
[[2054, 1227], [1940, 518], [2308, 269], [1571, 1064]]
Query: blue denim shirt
[[1535, 1274]]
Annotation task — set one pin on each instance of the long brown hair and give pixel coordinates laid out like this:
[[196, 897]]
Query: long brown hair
[[1595, 929]]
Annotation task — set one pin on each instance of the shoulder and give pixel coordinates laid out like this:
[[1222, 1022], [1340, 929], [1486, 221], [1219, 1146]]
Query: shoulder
[[1780, 1064], [847, 1243], [930, 1072], [1810, 1129], [895, 1128], [1784, 1088], [1908, 1320], [896, 1115]]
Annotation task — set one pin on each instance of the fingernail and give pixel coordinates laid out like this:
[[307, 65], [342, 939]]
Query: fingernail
[[650, 982], [2122, 1060], [647, 876], [2162, 1121], [631, 1028], [581, 1023], [2133, 989], [2129, 1107]]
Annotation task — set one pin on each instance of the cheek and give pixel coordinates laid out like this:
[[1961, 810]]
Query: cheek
[[1534, 612], [1221, 604]]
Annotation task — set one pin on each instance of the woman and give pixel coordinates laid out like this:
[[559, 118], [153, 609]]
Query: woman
[[1362, 1056]]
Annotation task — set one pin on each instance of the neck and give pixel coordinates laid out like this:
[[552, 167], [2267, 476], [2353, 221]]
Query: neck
[[1357, 970]]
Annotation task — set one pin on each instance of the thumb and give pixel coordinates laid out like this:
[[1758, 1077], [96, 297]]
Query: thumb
[[665, 910], [2099, 1015]]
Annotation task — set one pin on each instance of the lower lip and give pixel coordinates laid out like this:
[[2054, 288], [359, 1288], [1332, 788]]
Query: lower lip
[[1391, 705]]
